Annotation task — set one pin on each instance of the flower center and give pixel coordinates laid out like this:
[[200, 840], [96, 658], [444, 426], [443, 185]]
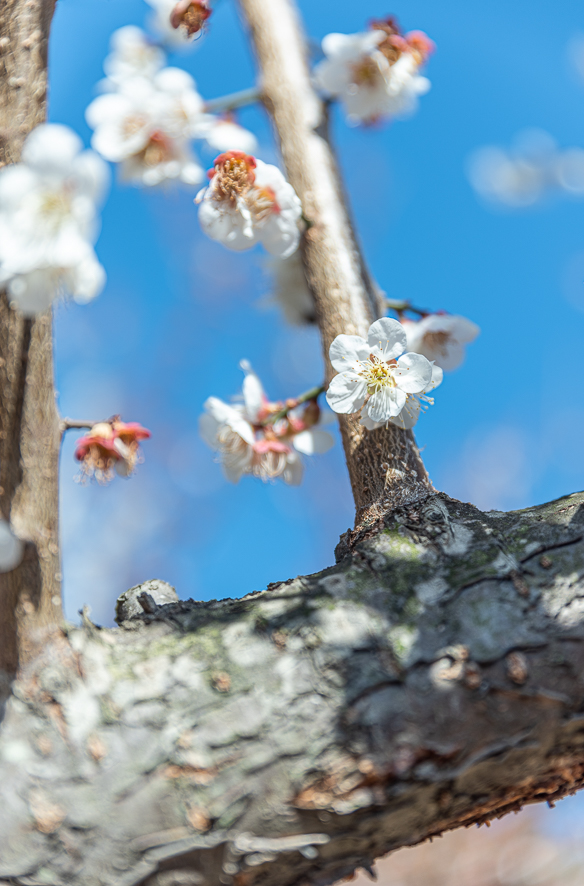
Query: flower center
[[393, 44], [233, 176], [133, 124], [157, 151], [262, 203], [55, 206], [437, 341], [270, 457], [377, 374], [190, 17], [366, 72]]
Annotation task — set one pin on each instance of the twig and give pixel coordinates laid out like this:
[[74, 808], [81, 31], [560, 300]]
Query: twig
[[312, 394], [236, 100], [400, 306], [67, 424]]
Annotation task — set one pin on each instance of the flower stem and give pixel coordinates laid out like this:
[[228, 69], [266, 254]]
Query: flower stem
[[68, 424], [233, 101], [400, 306], [312, 394]]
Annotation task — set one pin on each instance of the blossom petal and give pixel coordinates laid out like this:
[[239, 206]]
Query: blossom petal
[[387, 338], [208, 425], [280, 236], [253, 392], [51, 147], [385, 403], [369, 423], [413, 373], [437, 377], [409, 415], [294, 470], [234, 473], [346, 393], [313, 442], [347, 350]]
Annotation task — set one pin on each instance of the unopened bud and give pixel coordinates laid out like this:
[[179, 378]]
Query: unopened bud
[[190, 15]]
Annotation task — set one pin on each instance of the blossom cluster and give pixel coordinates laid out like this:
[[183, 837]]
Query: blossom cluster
[[263, 438], [149, 114], [110, 446], [48, 220], [376, 74], [531, 170], [249, 201]]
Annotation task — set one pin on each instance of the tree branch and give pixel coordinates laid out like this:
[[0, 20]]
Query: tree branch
[[433, 678], [384, 465], [29, 433]]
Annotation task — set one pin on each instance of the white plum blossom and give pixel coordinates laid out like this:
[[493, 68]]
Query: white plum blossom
[[372, 374], [49, 221], [248, 442], [375, 73], [414, 406], [441, 338], [248, 201], [34, 291], [132, 55], [148, 114], [146, 125]]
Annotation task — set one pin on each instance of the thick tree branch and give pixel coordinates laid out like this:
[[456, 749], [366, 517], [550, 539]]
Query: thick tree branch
[[29, 434], [433, 678], [384, 466]]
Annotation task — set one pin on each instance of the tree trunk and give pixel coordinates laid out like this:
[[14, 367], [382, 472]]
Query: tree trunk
[[433, 678], [30, 601], [384, 465]]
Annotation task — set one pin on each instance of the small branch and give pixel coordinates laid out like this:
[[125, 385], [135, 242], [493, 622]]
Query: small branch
[[68, 424], [236, 100], [385, 467], [312, 394], [400, 306]]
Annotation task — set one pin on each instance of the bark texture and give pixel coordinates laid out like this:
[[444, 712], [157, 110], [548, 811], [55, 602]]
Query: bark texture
[[384, 466], [30, 602], [434, 677]]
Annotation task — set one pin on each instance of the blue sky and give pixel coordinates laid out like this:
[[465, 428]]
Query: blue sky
[[179, 311]]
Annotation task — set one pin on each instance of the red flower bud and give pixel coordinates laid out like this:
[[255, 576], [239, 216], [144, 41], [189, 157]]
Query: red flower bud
[[190, 15]]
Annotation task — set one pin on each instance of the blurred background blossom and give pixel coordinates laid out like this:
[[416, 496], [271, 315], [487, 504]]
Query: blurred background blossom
[[533, 169]]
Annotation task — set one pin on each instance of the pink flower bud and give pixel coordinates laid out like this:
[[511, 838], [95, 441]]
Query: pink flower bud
[[110, 446]]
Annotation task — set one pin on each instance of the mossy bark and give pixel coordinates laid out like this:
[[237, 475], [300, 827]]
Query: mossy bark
[[434, 677]]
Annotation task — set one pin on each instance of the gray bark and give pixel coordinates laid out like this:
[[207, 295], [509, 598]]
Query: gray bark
[[30, 595], [432, 678]]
